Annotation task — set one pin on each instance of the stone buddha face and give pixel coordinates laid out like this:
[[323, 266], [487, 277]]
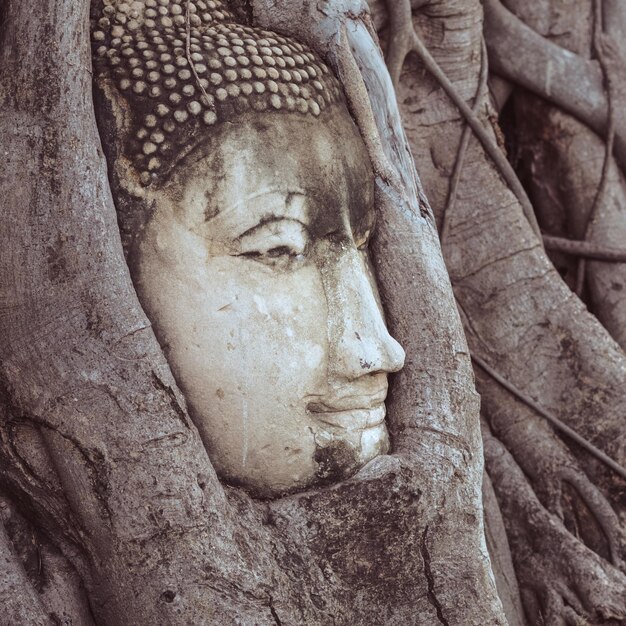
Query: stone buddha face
[[254, 271]]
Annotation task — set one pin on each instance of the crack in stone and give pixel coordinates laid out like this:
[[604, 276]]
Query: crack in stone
[[432, 598], [273, 612]]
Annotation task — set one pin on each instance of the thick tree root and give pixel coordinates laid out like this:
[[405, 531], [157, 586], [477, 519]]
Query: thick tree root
[[563, 175], [465, 137], [528, 324], [550, 465], [18, 598], [557, 423], [597, 504], [569, 169], [563, 582], [50, 583], [524, 57]]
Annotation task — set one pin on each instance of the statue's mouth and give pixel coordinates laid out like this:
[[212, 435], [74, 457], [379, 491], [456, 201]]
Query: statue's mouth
[[357, 418]]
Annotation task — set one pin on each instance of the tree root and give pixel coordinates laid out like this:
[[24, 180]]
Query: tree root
[[607, 54], [562, 161], [18, 597], [405, 40], [465, 137], [586, 249], [599, 507], [549, 464], [359, 102], [521, 55], [538, 335], [562, 581], [557, 423], [400, 21]]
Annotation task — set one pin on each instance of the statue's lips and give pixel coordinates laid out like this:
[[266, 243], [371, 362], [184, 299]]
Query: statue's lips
[[352, 419]]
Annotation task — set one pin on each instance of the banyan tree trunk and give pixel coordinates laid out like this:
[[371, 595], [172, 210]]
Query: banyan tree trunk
[[112, 510], [564, 510]]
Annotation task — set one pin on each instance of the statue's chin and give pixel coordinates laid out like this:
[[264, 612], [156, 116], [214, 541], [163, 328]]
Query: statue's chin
[[337, 454]]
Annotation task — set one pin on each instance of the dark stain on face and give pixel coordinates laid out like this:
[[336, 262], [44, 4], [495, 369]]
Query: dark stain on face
[[335, 461]]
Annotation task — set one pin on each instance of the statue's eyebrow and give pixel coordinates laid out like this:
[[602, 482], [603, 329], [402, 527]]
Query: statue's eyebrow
[[212, 211], [271, 219]]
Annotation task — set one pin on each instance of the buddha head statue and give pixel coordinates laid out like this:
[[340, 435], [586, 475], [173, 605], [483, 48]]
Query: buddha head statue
[[245, 199]]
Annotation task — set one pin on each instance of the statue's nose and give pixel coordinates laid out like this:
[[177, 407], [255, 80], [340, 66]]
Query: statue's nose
[[359, 340]]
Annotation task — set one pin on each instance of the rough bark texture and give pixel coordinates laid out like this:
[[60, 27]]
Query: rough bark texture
[[20, 602], [97, 449], [522, 319], [111, 511], [96, 442], [500, 554], [547, 137]]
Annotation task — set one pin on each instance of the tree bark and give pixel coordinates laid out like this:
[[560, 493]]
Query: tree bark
[[525, 323], [546, 134], [97, 448], [139, 506]]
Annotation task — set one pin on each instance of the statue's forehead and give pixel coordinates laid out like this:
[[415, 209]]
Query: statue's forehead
[[317, 172], [292, 152]]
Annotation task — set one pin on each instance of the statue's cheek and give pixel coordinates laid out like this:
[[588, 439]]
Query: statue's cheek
[[282, 321]]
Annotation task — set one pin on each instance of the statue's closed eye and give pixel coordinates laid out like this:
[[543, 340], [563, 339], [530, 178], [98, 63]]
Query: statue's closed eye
[[281, 243]]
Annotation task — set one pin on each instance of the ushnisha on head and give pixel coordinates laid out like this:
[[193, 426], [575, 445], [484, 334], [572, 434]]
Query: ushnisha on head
[[245, 197], [186, 65]]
